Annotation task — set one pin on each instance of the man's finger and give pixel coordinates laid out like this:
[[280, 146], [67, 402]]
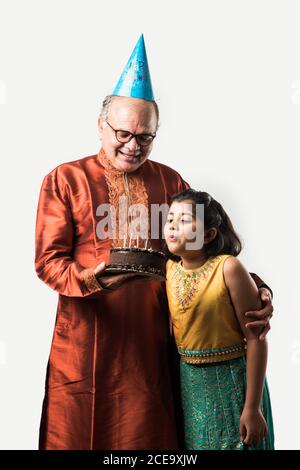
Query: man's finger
[[266, 296], [118, 280], [257, 324], [264, 332], [263, 313], [264, 290]]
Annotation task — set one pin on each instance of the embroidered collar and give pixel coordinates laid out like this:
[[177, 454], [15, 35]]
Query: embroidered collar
[[121, 183], [187, 281], [105, 162]]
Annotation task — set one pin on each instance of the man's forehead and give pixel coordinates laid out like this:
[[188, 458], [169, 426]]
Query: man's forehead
[[132, 111]]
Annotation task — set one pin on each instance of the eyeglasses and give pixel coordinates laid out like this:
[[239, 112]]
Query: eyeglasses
[[125, 136]]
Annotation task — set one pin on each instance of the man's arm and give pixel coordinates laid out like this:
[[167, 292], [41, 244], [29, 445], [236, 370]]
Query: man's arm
[[260, 284], [54, 234], [260, 319]]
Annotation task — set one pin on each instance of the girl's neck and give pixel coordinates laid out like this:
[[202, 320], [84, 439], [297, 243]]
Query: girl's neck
[[194, 262]]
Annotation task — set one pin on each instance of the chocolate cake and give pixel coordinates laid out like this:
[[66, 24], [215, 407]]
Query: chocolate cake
[[147, 262]]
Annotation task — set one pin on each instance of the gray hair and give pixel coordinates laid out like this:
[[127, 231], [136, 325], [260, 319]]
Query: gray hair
[[107, 102]]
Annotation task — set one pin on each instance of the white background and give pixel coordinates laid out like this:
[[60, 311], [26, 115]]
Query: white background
[[226, 75]]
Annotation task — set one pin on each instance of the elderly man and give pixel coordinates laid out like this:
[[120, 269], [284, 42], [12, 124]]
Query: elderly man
[[108, 382]]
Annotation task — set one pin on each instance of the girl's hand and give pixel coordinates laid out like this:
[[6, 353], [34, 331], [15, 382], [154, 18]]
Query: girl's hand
[[253, 427]]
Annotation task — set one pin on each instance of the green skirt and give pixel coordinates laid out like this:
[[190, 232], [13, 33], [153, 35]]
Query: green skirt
[[213, 397]]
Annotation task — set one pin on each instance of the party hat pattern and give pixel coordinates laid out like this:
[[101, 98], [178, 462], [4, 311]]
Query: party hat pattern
[[135, 80]]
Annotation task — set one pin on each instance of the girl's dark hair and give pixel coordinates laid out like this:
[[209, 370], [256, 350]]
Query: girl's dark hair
[[226, 241]]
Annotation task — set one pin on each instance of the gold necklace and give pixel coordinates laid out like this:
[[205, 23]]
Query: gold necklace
[[186, 282]]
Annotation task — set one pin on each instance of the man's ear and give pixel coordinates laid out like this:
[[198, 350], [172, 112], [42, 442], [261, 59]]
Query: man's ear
[[100, 126]]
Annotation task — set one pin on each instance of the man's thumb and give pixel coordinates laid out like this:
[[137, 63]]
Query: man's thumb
[[100, 267]]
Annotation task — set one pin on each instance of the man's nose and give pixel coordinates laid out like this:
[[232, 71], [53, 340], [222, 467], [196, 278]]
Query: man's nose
[[132, 145]]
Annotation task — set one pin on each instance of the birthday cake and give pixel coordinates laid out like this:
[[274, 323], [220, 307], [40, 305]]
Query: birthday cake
[[147, 262]]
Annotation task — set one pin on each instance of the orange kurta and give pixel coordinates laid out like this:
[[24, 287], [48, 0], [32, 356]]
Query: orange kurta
[[108, 380]]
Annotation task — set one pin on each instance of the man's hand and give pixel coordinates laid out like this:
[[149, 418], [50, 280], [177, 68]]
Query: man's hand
[[98, 269], [115, 280], [261, 318]]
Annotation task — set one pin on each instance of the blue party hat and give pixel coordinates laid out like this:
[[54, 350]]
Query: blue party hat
[[135, 81]]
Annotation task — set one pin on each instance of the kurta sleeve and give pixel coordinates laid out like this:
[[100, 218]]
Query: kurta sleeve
[[54, 244]]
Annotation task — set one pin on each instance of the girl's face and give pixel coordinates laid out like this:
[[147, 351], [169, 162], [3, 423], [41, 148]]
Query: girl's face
[[180, 227]]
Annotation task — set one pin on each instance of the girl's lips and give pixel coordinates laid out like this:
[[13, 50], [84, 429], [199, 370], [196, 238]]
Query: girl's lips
[[172, 239]]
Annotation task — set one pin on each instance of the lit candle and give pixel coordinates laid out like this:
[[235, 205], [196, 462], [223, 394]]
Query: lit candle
[[124, 242], [137, 242], [130, 240]]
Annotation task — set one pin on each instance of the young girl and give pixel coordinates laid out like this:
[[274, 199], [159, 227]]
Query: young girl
[[224, 393]]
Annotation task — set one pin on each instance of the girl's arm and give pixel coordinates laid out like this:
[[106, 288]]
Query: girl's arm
[[244, 296]]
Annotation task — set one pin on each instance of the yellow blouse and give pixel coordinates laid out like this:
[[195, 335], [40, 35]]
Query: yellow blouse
[[205, 325]]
